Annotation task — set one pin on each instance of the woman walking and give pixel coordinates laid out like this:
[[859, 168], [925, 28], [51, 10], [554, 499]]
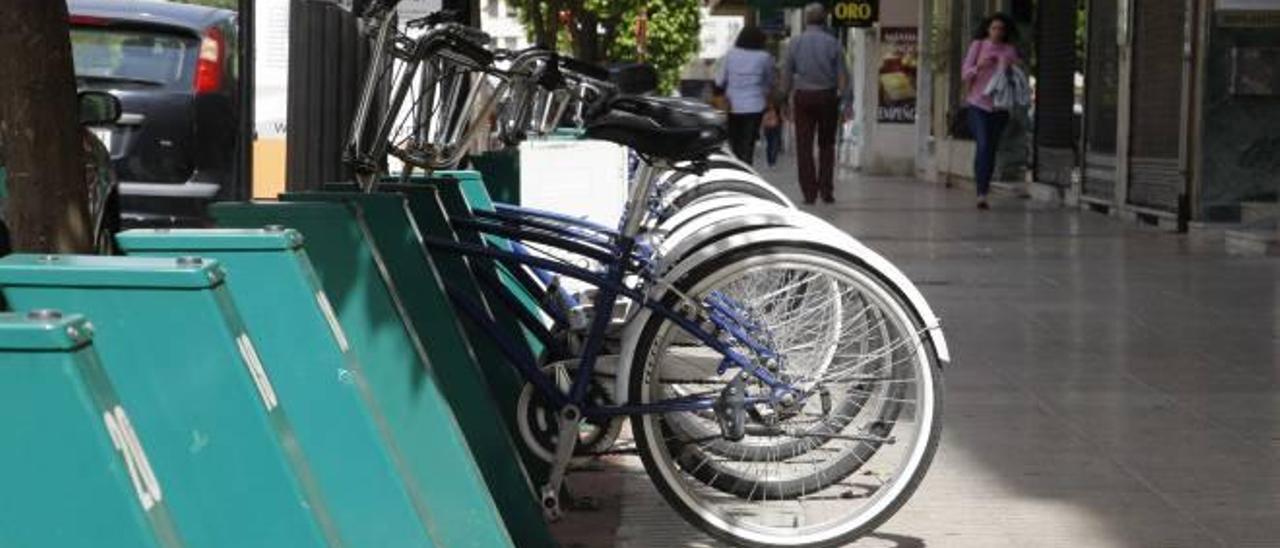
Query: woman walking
[[746, 76], [990, 54]]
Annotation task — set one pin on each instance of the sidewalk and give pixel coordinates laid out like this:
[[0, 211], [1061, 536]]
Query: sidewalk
[[1113, 385]]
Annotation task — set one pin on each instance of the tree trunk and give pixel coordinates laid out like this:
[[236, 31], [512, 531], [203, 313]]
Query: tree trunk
[[582, 31], [551, 25], [47, 210], [533, 11], [609, 36], [544, 15]]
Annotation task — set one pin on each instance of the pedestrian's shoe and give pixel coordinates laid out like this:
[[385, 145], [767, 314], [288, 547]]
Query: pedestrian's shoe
[[982, 203], [828, 198]]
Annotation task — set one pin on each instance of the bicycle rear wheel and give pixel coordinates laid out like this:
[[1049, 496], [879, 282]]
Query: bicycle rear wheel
[[844, 458]]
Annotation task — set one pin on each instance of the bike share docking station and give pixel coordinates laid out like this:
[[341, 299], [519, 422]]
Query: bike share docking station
[[397, 362], [323, 370]]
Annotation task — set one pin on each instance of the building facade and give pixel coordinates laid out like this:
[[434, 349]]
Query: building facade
[[1167, 111], [499, 20], [1162, 110]]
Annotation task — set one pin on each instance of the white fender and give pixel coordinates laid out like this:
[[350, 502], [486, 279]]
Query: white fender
[[678, 186], [802, 234], [700, 207], [713, 225], [729, 158], [702, 212]]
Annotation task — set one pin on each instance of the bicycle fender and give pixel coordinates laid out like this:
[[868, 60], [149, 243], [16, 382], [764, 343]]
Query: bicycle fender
[[688, 213], [690, 182], [830, 237], [715, 225]]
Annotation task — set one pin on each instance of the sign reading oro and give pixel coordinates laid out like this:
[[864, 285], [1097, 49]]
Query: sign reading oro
[[855, 13]]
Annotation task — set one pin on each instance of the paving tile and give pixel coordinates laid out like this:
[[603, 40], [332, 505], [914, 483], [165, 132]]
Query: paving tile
[[1114, 385]]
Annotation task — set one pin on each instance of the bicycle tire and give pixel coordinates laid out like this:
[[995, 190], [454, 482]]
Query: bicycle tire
[[664, 470]]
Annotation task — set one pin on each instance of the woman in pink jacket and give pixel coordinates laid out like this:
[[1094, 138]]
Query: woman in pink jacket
[[991, 52]]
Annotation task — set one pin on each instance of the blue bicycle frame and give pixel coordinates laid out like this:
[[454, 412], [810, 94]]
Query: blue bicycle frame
[[620, 255]]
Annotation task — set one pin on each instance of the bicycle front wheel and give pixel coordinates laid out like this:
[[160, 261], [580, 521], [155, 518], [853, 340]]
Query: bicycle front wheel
[[833, 466]]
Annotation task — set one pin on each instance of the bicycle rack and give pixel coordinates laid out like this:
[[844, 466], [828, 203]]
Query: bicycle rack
[[74, 452], [367, 254], [217, 435], [307, 355]]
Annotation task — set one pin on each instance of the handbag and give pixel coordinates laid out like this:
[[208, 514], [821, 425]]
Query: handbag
[[771, 118], [719, 101], [958, 123]]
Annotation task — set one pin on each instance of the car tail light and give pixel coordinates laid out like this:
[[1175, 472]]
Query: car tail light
[[209, 63]]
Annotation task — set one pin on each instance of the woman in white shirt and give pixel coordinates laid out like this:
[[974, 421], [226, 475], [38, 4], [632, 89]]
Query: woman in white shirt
[[746, 76]]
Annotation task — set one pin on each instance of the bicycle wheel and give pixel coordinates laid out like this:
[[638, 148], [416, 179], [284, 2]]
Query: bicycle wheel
[[804, 315], [867, 426]]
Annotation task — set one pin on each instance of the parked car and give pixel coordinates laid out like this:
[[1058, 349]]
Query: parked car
[[96, 108], [173, 68]]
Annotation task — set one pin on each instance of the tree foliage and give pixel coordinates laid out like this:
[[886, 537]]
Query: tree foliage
[[600, 31], [540, 19], [673, 38]]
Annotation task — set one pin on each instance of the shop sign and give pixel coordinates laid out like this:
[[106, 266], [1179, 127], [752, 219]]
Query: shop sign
[[855, 13], [899, 61]]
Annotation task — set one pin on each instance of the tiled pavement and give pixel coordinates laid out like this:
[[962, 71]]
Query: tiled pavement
[[1114, 385]]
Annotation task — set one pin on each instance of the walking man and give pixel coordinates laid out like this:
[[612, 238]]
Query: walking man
[[815, 75]]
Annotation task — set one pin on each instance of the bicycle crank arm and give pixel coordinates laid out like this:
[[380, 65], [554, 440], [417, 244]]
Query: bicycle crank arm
[[567, 421]]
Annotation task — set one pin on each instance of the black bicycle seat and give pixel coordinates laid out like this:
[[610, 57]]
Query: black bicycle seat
[[667, 128], [462, 43]]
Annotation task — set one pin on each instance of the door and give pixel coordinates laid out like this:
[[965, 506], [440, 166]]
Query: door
[[1102, 99], [1157, 123]]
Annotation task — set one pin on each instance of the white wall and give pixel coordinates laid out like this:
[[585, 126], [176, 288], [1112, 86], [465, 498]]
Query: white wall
[[499, 20]]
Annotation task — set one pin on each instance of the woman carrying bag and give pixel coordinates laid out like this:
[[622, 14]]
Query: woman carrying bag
[[990, 56]]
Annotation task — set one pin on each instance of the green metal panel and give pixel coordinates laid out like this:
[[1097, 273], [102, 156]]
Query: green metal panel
[[388, 224], [183, 363], [93, 270], [306, 354], [74, 472], [460, 192], [472, 185], [356, 278], [503, 379], [430, 218], [501, 170]]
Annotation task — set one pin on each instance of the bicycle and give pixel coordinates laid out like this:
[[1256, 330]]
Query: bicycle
[[782, 381]]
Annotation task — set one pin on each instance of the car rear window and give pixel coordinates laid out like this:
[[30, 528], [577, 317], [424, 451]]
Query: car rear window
[[129, 56]]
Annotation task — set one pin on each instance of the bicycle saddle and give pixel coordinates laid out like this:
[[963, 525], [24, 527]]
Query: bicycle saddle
[[461, 44], [667, 128]]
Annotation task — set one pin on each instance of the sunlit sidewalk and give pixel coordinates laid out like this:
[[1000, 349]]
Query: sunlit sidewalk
[[1114, 385]]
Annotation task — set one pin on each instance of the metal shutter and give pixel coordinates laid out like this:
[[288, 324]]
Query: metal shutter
[[1155, 177]]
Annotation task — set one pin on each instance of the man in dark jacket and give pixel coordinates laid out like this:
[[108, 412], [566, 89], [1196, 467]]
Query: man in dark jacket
[[815, 74]]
